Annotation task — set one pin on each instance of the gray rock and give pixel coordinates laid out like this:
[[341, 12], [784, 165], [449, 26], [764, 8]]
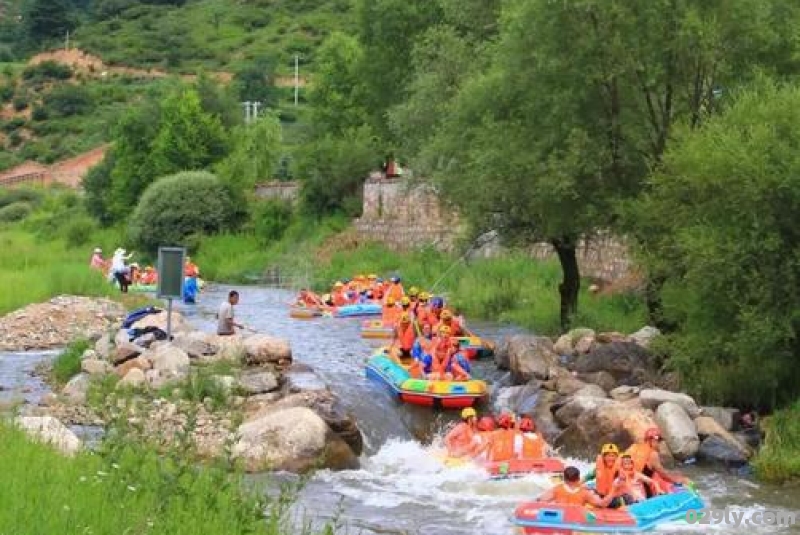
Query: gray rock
[[125, 351], [645, 336], [135, 378], [264, 349], [569, 412], [679, 430], [725, 416], [567, 385], [530, 357], [94, 366], [578, 333], [715, 448], [563, 346], [104, 347], [585, 344], [602, 379], [258, 382], [141, 362], [303, 381], [51, 431], [624, 393], [226, 382], [171, 362], [591, 391], [627, 362], [516, 399], [652, 398], [89, 354], [75, 390], [197, 345]]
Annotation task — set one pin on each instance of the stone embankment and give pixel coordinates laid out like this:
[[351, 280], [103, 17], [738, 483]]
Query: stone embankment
[[586, 389], [237, 395]]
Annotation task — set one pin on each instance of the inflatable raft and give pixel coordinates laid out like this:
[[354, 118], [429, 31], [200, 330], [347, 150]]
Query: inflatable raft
[[299, 312], [440, 394], [376, 330], [550, 466], [539, 518], [355, 311]]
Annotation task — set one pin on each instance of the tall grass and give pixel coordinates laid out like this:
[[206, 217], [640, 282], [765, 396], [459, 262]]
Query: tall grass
[[779, 458], [126, 488], [68, 363]]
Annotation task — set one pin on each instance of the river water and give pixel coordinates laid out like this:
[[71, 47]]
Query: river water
[[399, 488]]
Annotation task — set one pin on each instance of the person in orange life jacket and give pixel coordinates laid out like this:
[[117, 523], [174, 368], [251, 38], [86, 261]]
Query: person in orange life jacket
[[500, 446], [338, 294], [395, 289], [421, 310], [413, 298], [390, 313], [572, 492], [531, 444], [605, 473], [456, 366], [190, 269], [435, 309], [442, 354], [630, 485], [463, 439], [404, 337], [405, 306], [446, 319], [486, 428], [646, 460], [308, 299]]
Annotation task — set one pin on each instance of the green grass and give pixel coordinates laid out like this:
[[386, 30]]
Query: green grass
[[126, 488], [778, 460], [68, 363]]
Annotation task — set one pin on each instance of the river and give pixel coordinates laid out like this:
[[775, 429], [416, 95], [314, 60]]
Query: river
[[399, 489]]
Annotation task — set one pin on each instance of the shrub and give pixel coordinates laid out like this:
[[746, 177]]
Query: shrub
[[12, 196], [79, 230], [68, 363], [6, 93], [68, 100], [177, 206], [271, 219], [14, 212], [20, 103], [39, 113], [13, 124], [47, 70]]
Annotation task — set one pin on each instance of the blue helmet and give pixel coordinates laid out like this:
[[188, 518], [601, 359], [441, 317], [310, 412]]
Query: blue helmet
[[437, 302], [395, 279]]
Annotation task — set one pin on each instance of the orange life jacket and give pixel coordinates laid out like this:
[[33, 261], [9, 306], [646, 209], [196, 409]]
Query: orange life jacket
[[395, 291], [568, 496], [640, 453], [604, 476], [405, 336], [390, 315], [441, 355], [501, 447], [533, 446], [339, 298]]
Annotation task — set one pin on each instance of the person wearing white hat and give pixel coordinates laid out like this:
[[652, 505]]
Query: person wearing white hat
[[119, 270], [98, 262]]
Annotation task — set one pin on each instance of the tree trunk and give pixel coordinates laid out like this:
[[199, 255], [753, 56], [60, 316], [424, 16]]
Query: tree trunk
[[571, 281]]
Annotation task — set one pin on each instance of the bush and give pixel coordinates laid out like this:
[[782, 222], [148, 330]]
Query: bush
[[12, 196], [47, 70], [68, 363], [68, 100], [13, 124], [178, 206], [6, 93], [271, 219], [39, 113], [14, 212], [79, 230], [20, 103]]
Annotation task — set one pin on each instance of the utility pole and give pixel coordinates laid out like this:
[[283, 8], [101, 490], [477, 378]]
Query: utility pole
[[296, 78]]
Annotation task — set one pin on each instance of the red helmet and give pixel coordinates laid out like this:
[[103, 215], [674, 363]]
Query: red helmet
[[505, 420], [486, 423], [526, 425], [654, 433]]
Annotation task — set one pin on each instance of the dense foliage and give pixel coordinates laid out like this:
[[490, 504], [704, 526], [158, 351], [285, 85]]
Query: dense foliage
[[177, 208]]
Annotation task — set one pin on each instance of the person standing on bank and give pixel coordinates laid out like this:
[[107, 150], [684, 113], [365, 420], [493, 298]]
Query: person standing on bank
[[225, 322]]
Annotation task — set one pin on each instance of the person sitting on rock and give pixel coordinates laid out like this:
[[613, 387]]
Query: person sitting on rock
[[463, 440], [572, 492], [647, 460], [631, 486]]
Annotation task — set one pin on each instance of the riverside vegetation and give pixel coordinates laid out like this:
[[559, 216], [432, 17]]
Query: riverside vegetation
[[681, 142]]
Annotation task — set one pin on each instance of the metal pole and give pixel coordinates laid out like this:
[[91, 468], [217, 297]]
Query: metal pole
[[169, 318], [296, 77]]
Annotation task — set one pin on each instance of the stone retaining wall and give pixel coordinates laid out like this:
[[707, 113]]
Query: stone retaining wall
[[286, 191]]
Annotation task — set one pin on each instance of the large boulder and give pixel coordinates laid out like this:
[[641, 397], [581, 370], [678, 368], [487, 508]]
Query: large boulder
[[294, 439], [104, 346], [328, 407], [568, 413], [94, 366], [530, 357], [229, 349], [616, 422], [258, 382], [141, 363], [51, 431], [542, 414], [134, 378], [125, 351], [679, 430], [585, 344], [196, 344], [645, 336], [591, 391], [171, 363], [568, 385], [602, 379], [725, 447], [516, 399], [580, 332], [726, 417], [624, 393], [301, 380], [265, 349], [652, 398], [563, 346], [178, 325], [75, 390], [627, 362]]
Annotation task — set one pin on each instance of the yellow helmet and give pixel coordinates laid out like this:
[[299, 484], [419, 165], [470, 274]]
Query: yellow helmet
[[390, 301], [405, 301], [405, 318], [360, 277], [444, 330], [414, 291], [372, 277], [609, 448], [468, 412], [424, 296], [339, 284]]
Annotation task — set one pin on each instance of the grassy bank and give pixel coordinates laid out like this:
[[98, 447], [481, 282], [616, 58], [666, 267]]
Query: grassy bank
[[125, 489], [513, 288], [779, 459]]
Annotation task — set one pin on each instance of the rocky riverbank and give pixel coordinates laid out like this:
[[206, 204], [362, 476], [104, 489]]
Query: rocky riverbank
[[239, 396], [585, 389]]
